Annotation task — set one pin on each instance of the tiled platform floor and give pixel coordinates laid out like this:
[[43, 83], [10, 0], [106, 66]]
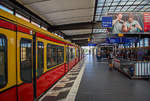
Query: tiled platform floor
[[100, 84], [62, 88]]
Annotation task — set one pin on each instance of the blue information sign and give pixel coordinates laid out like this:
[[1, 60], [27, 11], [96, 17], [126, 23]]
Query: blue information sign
[[121, 40], [107, 21], [91, 44], [113, 40]]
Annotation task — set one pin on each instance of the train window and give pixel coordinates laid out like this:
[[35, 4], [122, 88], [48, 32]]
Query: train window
[[67, 54], [70, 54], [79, 53], [73, 53], [51, 55], [3, 61], [60, 54], [76, 52], [40, 53], [146, 41], [26, 60]]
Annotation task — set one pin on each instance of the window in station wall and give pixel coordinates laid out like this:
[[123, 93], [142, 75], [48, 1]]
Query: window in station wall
[[146, 42], [6, 9], [141, 43], [119, 46], [122, 46], [133, 44], [138, 44]]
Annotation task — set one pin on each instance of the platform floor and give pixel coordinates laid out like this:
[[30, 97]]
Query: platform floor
[[100, 84]]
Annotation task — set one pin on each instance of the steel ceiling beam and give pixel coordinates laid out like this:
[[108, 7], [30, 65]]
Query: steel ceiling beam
[[76, 26], [138, 5], [79, 36], [117, 6], [83, 35], [96, 2], [124, 5], [38, 1], [137, 35], [143, 6], [95, 9], [102, 9], [82, 44], [121, 5], [110, 5], [80, 41], [131, 5]]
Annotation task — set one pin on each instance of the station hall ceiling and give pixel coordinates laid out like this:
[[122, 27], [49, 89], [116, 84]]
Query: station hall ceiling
[[82, 17], [59, 12]]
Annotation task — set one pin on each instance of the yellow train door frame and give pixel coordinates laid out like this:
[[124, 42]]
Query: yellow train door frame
[[22, 93], [10, 58]]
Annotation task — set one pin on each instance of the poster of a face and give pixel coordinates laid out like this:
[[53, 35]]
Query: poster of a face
[[127, 22]]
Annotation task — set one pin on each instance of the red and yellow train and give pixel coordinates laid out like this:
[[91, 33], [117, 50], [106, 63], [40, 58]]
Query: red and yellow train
[[31, 59]]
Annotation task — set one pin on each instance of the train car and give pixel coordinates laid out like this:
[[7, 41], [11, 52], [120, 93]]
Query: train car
[[78, 54], [31, 59]]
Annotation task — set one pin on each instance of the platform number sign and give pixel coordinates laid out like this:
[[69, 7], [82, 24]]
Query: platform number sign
[[107, 22]]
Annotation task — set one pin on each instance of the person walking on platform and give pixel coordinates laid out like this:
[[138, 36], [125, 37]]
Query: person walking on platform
[[110, 58]]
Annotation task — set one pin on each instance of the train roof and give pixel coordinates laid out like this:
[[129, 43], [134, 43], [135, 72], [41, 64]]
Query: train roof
[[22, 22]]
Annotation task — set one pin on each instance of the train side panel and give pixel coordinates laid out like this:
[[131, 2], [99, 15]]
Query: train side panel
[[7, 61], [19, 59], [49, 76], [24, 65]]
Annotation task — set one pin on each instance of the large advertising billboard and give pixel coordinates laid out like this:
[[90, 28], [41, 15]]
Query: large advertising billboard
[[129, 22], [146, 22]]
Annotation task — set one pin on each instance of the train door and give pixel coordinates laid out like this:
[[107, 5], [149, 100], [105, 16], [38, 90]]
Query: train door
[[67, 59], [7, 61], [25, 66], [78, 54], [40, 80]]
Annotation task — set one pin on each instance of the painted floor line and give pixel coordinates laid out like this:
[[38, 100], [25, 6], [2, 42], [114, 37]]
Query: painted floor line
[[72, 94]]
